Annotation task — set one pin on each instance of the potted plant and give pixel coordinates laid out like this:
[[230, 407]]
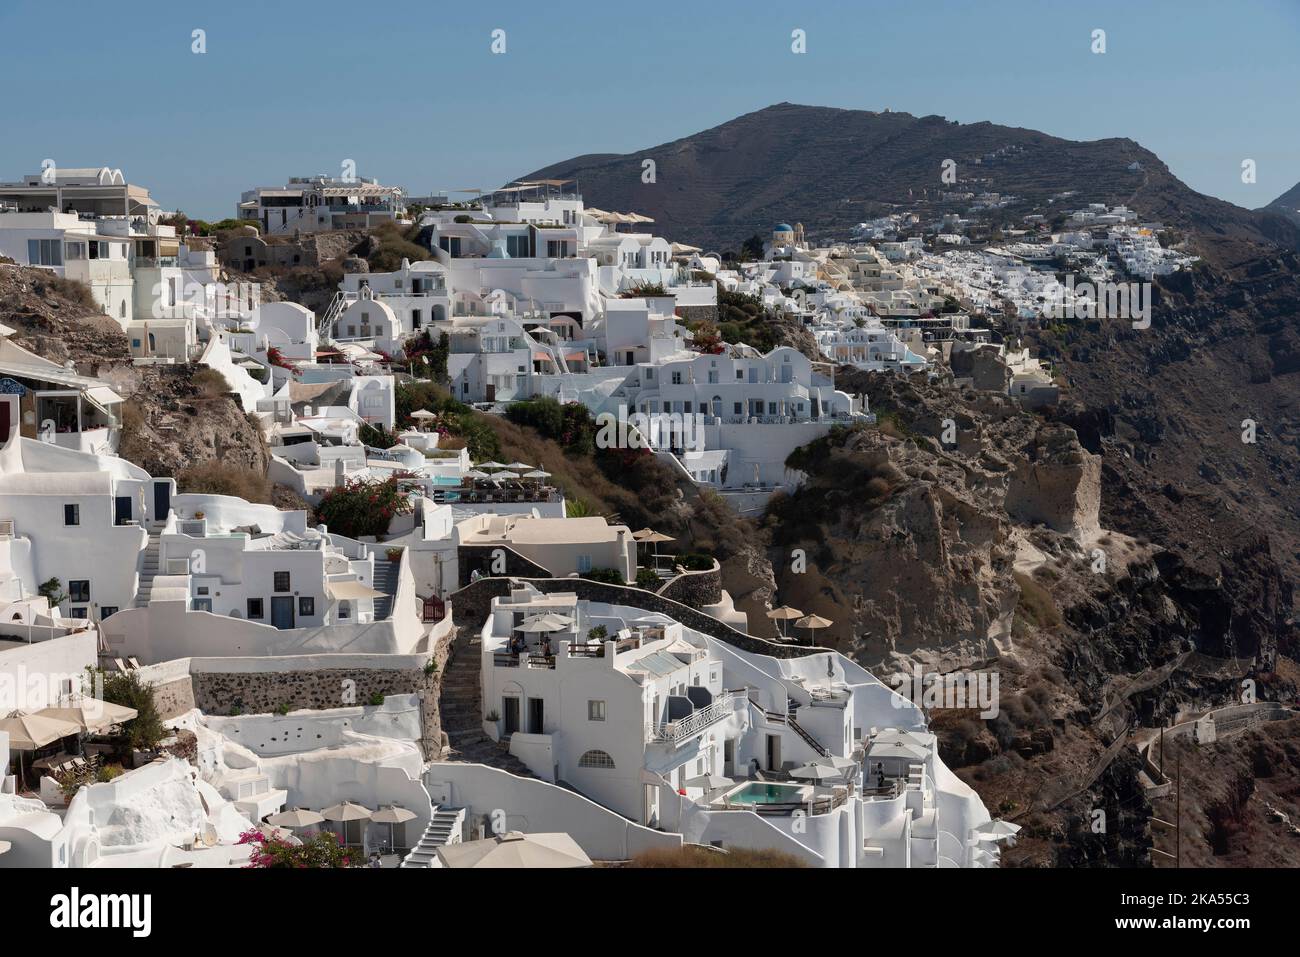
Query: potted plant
[[492, 724], [394, 554]]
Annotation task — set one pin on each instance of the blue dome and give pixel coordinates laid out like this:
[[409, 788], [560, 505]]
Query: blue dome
[[782, 228]]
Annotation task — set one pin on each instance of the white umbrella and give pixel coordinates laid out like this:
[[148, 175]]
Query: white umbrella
[[492, 465], [295, 817], [423, 414], [27, 732], [783, 614], [91, 714], [537, 474], [476, 474], [519, 466], [709, 782], [502, 476], [392, 816], [815, 772], [996, 830], [516, 850]]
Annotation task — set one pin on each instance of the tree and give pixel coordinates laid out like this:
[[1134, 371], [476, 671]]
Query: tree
[[752, 248], [320, 850], [359, 509], [145, 730]]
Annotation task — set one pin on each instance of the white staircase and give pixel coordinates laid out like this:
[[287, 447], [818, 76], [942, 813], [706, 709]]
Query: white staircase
[[444, 828], [148, 570]]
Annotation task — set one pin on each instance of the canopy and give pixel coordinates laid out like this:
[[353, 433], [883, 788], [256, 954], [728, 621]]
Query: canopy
[[393, 815], [710, 782], [353, 590], [347, 811], [813, 621], [91, 714], [295, 818], [816, 772], [784, 613], [541, 623], [516, 850], [27, 732]]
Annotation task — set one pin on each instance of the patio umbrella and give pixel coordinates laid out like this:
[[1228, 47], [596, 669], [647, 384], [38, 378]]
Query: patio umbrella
[[492, 465], [296, 817], [344, 814], [812, 623], [650, 536], [392, 816], [477, 475], [710, 782], [423, 414], [91, 714], [279, 834], [816, 773], [784, 613], [516, 850], [519, 466], [537, 474], [544, 623], [27, 732], [995, 830], [502, 476]]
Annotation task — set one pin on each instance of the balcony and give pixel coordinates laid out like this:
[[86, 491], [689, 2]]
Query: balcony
[[675, 732]]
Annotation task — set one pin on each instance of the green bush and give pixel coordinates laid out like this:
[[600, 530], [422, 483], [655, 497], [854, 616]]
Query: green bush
[[597, 634], [648, 579], [607, 575], [145, 730]]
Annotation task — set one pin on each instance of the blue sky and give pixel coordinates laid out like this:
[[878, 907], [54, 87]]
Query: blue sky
[[412, 92]]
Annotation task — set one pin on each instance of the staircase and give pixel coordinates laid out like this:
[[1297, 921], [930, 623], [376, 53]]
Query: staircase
[[462, 710], [149, 570], [332, 313], [807, 738], [386, 582], [442, 828]]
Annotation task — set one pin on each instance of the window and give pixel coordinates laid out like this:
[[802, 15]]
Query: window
[[72, 515], [584, 564], [107, 611], [345, 610], [306, 607], [79, 590], [45, 252], [595, 711], [596, 759], [677, 378], [737, 407], [202, 589], [254, 609], [740, 374], [77, 613]]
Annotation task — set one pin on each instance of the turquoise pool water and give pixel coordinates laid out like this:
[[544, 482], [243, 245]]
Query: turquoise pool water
[[762, 792]]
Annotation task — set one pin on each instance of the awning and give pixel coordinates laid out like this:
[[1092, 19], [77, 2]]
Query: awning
[[103, 395], [352, 591], [570, 356]]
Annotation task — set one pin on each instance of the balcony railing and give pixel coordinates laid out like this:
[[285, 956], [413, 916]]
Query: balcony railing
[[674, 732]]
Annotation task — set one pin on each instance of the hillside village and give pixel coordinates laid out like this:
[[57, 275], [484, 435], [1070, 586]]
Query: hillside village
[[346, 610]]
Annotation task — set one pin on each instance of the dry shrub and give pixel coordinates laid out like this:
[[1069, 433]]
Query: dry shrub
[[1037, 603], [218, 478], [210, 383]]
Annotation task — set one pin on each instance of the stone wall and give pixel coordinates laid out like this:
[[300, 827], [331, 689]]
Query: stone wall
[[473, 602], [697, 313], [696, 588], [262, 692], [174, 698]]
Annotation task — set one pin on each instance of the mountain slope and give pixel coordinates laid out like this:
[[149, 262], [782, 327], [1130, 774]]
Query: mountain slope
[[830, 168]]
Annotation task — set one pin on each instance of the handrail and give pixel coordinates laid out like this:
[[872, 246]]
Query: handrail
[[697, 721]]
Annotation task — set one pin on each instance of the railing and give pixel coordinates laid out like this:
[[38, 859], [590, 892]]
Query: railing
[[807, 738], [505, 660], [541, 661], [587, 650], [673, 732], [820, 804]]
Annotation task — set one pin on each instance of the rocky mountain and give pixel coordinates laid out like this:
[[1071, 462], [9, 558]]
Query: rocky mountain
[[831, 168], [1288, 204]]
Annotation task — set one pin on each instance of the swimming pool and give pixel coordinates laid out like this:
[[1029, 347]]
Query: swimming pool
[[765, 792]]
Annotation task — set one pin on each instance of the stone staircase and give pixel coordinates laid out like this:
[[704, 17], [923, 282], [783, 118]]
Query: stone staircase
[[445, 825], [386, 582], [149, 569], [462, 710]]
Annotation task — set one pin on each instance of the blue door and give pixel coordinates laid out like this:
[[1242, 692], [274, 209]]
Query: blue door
[[282, 611]]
